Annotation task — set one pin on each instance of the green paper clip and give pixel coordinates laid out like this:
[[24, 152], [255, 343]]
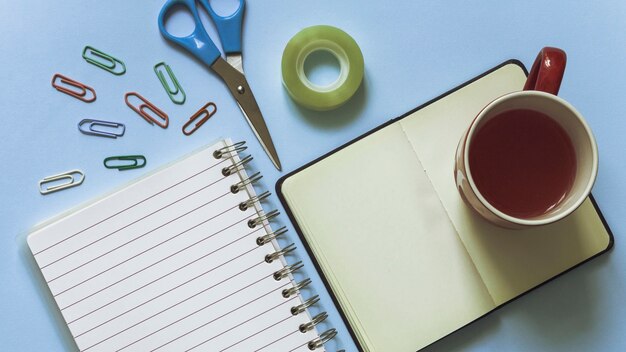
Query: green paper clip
[[109, 64], [172, 93], [134, 158]]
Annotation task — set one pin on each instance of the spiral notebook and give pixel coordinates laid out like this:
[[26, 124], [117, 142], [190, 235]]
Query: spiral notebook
[[183, 259], [405, 260]]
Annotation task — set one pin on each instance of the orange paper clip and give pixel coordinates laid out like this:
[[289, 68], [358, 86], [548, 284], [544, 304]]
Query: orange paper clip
[[203, 114], [157, 117], [79, 93]]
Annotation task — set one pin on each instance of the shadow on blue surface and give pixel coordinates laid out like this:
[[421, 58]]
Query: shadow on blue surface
[[544, 318]]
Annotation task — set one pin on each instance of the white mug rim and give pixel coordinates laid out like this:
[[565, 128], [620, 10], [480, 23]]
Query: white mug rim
[[559, 215]]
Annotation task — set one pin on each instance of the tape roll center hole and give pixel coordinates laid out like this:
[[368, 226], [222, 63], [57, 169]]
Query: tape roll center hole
[[322, 68]]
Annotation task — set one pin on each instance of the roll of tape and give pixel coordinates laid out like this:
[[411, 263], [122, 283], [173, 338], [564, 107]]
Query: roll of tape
[[338, 43]]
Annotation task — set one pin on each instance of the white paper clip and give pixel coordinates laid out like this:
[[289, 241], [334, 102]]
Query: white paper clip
[[68, 175]]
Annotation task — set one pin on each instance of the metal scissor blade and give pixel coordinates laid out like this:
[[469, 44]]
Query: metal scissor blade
[[236, 61], [242, 93], [269, 147]]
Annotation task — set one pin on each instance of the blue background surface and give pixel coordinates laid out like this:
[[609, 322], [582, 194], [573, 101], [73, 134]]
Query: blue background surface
[[413, 50]]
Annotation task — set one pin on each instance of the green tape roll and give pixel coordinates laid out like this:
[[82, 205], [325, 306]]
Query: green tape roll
[[338, 43]]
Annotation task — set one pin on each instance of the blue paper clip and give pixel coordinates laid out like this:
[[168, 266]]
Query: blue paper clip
[[90, 130]]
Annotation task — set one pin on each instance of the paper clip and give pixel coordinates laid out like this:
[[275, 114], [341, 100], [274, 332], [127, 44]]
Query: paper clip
[[68, 175], [134, 158], [79, 93], [95, 132], [109, 63], [172, 93], [203, 111], [147, 105]]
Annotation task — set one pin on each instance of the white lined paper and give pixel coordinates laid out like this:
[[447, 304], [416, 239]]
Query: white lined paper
[[170, 263]]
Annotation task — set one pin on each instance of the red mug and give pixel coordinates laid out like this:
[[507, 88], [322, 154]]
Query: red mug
[[528, 158]]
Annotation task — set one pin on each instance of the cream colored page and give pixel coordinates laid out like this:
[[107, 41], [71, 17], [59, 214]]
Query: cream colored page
[[387, 243], [510, 261]]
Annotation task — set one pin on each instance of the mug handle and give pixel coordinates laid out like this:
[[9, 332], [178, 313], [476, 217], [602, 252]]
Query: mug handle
[[547, 71]]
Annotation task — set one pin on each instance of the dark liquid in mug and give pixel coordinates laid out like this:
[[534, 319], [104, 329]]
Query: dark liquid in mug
[[522, 162]]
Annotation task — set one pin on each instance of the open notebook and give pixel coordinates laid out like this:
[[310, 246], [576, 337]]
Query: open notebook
[[182, 259], [405, 259]]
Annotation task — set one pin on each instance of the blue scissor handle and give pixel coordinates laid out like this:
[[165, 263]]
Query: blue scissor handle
[[198, 43], [229, 27]]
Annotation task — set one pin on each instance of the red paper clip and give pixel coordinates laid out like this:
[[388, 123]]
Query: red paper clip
[[79, 93], [146, 105], [203, 111]]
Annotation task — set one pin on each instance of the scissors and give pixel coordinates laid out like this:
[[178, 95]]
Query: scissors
[[230, 70]]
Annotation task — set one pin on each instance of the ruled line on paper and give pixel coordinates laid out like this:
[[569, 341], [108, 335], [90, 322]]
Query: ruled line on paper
[[125, 209], [173, 254], [164, 276], [278, 339], [223, 332], [136, 238], [178, 269], [132, 223], [169, 256], [295, 348], [183, 301], [214, 268], [251, 336], [178, 286], [209, 322]]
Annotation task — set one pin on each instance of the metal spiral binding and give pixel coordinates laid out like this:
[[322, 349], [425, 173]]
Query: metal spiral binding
[[228, 152], [288, 292], [271, 257], [234, 148], [229, 170], [284, 272], [243, 183], [261, 240], [252, 223], [314, 321], [243, 206], [320, 341], [295, 310]]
